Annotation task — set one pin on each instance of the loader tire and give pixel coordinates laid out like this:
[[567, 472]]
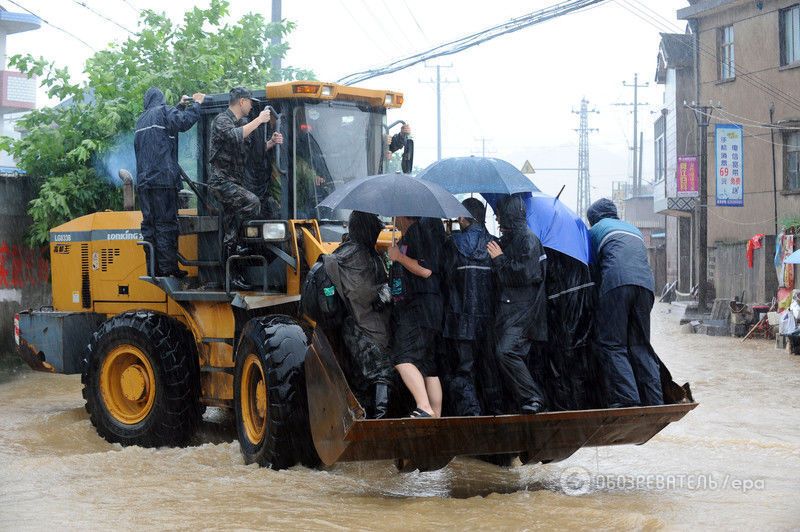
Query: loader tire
[[269, 391], [141, 381]]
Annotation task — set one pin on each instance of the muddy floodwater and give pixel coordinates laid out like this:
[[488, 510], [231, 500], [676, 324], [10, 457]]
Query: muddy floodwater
[[732, 462]]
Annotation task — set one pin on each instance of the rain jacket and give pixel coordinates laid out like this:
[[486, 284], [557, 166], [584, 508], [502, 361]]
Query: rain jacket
[[519, 275], [469, 282], [420, 299], [572, 381], [362, 273], [618, 249], [156, 140]]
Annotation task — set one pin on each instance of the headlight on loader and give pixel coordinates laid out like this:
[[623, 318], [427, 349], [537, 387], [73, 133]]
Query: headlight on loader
[[251, 232], [274, 231]]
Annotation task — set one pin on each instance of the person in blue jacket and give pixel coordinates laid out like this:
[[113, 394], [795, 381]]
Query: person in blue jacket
[[625, 299], [158, 178]]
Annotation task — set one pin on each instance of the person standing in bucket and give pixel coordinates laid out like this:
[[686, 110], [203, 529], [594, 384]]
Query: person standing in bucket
[[416, 315], [470, 366], [520, 320], [625, 299], [359, 273], [158, 177]]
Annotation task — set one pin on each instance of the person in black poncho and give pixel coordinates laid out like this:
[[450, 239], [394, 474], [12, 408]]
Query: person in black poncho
[[417, 314], [362, 280], [519, 263], [470, 379]]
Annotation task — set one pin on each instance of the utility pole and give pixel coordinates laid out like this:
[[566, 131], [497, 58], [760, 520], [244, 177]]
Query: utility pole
[[483, 144], [637, 177], [584, 182], [276, 60], [438, 81], [702, 114]]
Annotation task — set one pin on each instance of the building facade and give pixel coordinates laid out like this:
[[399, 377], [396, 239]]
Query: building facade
[[747, 66], [675, 137]]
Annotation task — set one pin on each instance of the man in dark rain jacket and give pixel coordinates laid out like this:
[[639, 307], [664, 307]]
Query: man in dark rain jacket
[[359, 273], [228, 157], [468, 317], [521, 313], [158, 178], [625, 298]]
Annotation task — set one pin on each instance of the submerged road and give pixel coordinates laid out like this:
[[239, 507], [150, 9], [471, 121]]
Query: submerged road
[[733, 462]]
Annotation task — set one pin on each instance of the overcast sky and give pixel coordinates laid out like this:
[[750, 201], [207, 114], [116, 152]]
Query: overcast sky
[[517, 91]]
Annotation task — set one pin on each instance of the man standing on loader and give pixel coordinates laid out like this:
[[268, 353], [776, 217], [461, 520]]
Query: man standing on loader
[[158, 178], [228, 155], [519, 262], [623, 309]]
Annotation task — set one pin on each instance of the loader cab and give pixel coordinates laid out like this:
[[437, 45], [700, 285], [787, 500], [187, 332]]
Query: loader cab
[[332, 135]]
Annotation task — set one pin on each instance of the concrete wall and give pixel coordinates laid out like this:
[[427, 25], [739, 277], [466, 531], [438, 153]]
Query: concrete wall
[[732, 276], [24, 272], [756, 50]]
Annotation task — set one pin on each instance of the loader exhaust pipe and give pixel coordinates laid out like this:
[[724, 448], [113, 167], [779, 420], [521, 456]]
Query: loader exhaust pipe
[[128, 196]]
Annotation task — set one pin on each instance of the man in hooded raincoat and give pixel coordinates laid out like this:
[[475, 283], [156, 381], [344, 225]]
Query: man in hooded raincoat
[[359, 273], [468, 318], [625, 298], [158, 178], [519, 264]]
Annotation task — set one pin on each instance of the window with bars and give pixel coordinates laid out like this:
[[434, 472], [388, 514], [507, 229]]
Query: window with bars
[[790, 35], [725, 55], [791, 161]]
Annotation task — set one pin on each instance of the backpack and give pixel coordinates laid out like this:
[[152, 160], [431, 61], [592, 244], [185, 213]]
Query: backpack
[[319, 300]]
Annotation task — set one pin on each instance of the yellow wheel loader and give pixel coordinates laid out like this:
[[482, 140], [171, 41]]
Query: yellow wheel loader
[[153, 352]]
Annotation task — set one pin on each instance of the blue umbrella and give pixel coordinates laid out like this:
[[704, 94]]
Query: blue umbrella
[[794, 258], [463, 175], [556, 225]]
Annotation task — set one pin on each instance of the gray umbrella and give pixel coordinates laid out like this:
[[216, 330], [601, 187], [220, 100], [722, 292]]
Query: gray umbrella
[[463, 175], [396, 195]]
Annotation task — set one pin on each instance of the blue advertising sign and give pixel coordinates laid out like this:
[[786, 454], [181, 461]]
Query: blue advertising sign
[[729, 142]]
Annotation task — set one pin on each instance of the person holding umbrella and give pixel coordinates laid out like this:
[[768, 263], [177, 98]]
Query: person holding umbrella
[[519, 262], [416, 316], [414, 277]]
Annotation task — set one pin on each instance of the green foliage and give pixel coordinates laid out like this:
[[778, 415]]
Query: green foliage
[[791, 221], [67, 196], [62, 144]]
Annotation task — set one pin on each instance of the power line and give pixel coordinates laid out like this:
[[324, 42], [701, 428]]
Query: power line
[[396, 22], [458, 45], [102, 16], [361, 27], [416, 21], [130, 5], [748, 77], [387, 34], [54, 26]]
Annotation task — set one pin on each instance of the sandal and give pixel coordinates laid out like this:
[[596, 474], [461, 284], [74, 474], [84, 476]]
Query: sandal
[[418, 412]]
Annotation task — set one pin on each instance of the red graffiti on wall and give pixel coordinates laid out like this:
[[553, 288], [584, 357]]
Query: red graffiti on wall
[[27, 266]]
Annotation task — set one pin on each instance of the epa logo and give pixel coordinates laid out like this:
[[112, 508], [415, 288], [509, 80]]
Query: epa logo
[[575, 481]]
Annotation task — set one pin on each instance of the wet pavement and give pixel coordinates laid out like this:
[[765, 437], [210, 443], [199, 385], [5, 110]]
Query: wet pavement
[[733, 462]]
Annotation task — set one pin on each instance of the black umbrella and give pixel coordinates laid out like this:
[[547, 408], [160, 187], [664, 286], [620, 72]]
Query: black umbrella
[[463, 175], [396, 195]]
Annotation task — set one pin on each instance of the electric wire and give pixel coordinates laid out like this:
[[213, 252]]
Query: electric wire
[[460, 44], [102, 16], [92, 48], [747, 77]]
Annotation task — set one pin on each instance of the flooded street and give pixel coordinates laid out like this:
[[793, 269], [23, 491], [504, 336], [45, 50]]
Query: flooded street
[[732, 462]]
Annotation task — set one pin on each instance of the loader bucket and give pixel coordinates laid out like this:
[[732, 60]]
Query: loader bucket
[[342, 434]]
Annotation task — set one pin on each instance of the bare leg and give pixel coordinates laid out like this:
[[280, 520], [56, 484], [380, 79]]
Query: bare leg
[[433, 386], [415, 383]]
